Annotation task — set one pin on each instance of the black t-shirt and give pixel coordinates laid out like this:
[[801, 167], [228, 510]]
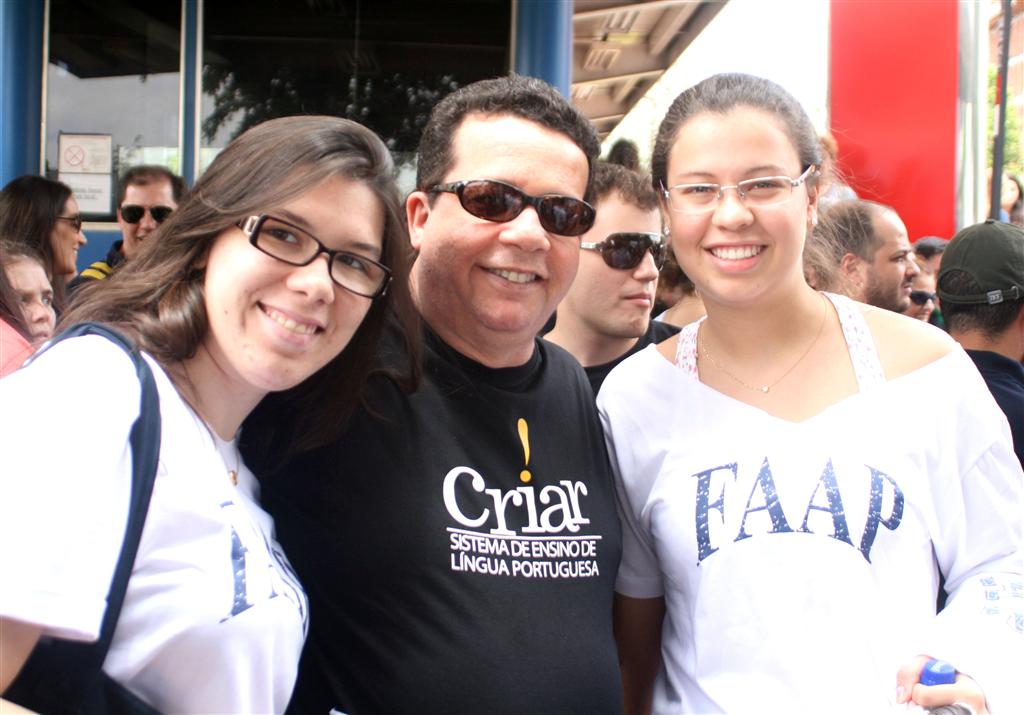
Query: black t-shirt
[[656, 332], [1005, 380], [459, 548]]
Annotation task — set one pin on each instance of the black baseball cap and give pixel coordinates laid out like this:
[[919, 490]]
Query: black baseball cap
[[992, 253]]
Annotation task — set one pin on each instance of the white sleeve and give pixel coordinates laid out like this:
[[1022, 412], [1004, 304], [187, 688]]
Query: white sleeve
[[980, 550], [65, 483], [639, 575]]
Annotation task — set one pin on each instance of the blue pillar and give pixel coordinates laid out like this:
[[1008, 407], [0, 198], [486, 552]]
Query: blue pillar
[[21, 85], [189, 150], [543, 41]]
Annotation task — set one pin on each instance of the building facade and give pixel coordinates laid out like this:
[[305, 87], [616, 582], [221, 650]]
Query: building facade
[[89, 88]]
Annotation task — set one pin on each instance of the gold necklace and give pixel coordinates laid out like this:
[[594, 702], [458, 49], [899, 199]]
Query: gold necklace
[[767, 388], [217, 441], [233, 473]]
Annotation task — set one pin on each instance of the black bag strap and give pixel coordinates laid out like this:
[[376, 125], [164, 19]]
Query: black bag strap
[[60, 672]]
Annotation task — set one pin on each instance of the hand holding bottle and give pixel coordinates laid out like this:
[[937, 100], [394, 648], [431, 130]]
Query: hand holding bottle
[[937, 686]]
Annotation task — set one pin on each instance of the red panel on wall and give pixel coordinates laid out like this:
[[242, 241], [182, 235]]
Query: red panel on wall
[[893, 87]]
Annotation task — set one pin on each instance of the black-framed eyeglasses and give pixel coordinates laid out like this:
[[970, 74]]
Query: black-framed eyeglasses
[[624, 251], [497, 201], [920, 297], [297, 247], [132, 213], [75, 221], [757, 193]]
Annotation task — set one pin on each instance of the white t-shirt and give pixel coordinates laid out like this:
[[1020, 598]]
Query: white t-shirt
[[214, 619], [799, 562]]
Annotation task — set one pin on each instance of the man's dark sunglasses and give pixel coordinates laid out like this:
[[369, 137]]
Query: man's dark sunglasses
[[133, 214], [920, 297], [497, 201], [625, 250]]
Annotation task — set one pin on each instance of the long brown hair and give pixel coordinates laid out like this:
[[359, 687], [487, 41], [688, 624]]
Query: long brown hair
[[157, 298], [29, 207]]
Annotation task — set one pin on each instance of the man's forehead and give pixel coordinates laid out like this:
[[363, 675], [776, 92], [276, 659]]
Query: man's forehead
[[500, 133], [889, 228], [493, 121], [518, 151], [615, 198], [152, 187]]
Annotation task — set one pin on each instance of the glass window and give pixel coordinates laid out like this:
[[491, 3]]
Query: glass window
[[112, 91], [383, 64]]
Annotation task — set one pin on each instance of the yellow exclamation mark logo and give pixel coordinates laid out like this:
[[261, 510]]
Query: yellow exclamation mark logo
[[524, 437]]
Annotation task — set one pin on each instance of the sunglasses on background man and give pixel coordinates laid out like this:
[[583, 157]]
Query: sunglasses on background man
[[624, 251], [133, 214], [920, 297]]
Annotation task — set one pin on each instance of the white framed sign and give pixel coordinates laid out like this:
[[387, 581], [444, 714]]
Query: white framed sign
[[85, 164], [85, 153], [93, 192]]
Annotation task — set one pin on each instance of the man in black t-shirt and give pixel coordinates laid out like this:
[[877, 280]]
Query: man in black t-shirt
[[459, 544], [606, 316], [981, 285]]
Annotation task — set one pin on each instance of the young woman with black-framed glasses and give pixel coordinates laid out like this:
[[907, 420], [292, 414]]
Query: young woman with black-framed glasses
[[227, 308]]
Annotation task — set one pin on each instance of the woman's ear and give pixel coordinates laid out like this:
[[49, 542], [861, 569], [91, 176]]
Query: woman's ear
[[666, 216], [813, 194]]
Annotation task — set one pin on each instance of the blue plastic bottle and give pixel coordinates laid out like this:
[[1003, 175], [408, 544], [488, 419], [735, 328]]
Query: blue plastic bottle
[[939, 672]]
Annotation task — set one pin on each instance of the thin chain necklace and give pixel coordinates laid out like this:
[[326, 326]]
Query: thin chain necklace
[[221, 445], [233, 473], [767, 388]]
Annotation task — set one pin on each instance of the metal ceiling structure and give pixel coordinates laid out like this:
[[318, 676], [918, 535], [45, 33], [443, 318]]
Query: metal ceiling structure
[[620, 49]]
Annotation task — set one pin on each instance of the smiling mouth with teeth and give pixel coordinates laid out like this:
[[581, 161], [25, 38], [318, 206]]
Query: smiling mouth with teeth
[[289, 324], [515, 277], [736, 253]]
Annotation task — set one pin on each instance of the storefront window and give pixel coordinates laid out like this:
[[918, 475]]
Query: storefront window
[[384, 64], [112, 94]]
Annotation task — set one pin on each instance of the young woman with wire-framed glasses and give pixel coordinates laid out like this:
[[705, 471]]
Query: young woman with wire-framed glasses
[[783, 543]]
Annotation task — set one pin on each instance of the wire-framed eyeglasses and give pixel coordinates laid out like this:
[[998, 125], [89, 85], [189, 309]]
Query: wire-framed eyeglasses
[[297, 247], [755, 193]]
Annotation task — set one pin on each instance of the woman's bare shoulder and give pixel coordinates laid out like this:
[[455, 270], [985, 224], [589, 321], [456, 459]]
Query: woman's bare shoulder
[[905, 344], [668, 348]]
